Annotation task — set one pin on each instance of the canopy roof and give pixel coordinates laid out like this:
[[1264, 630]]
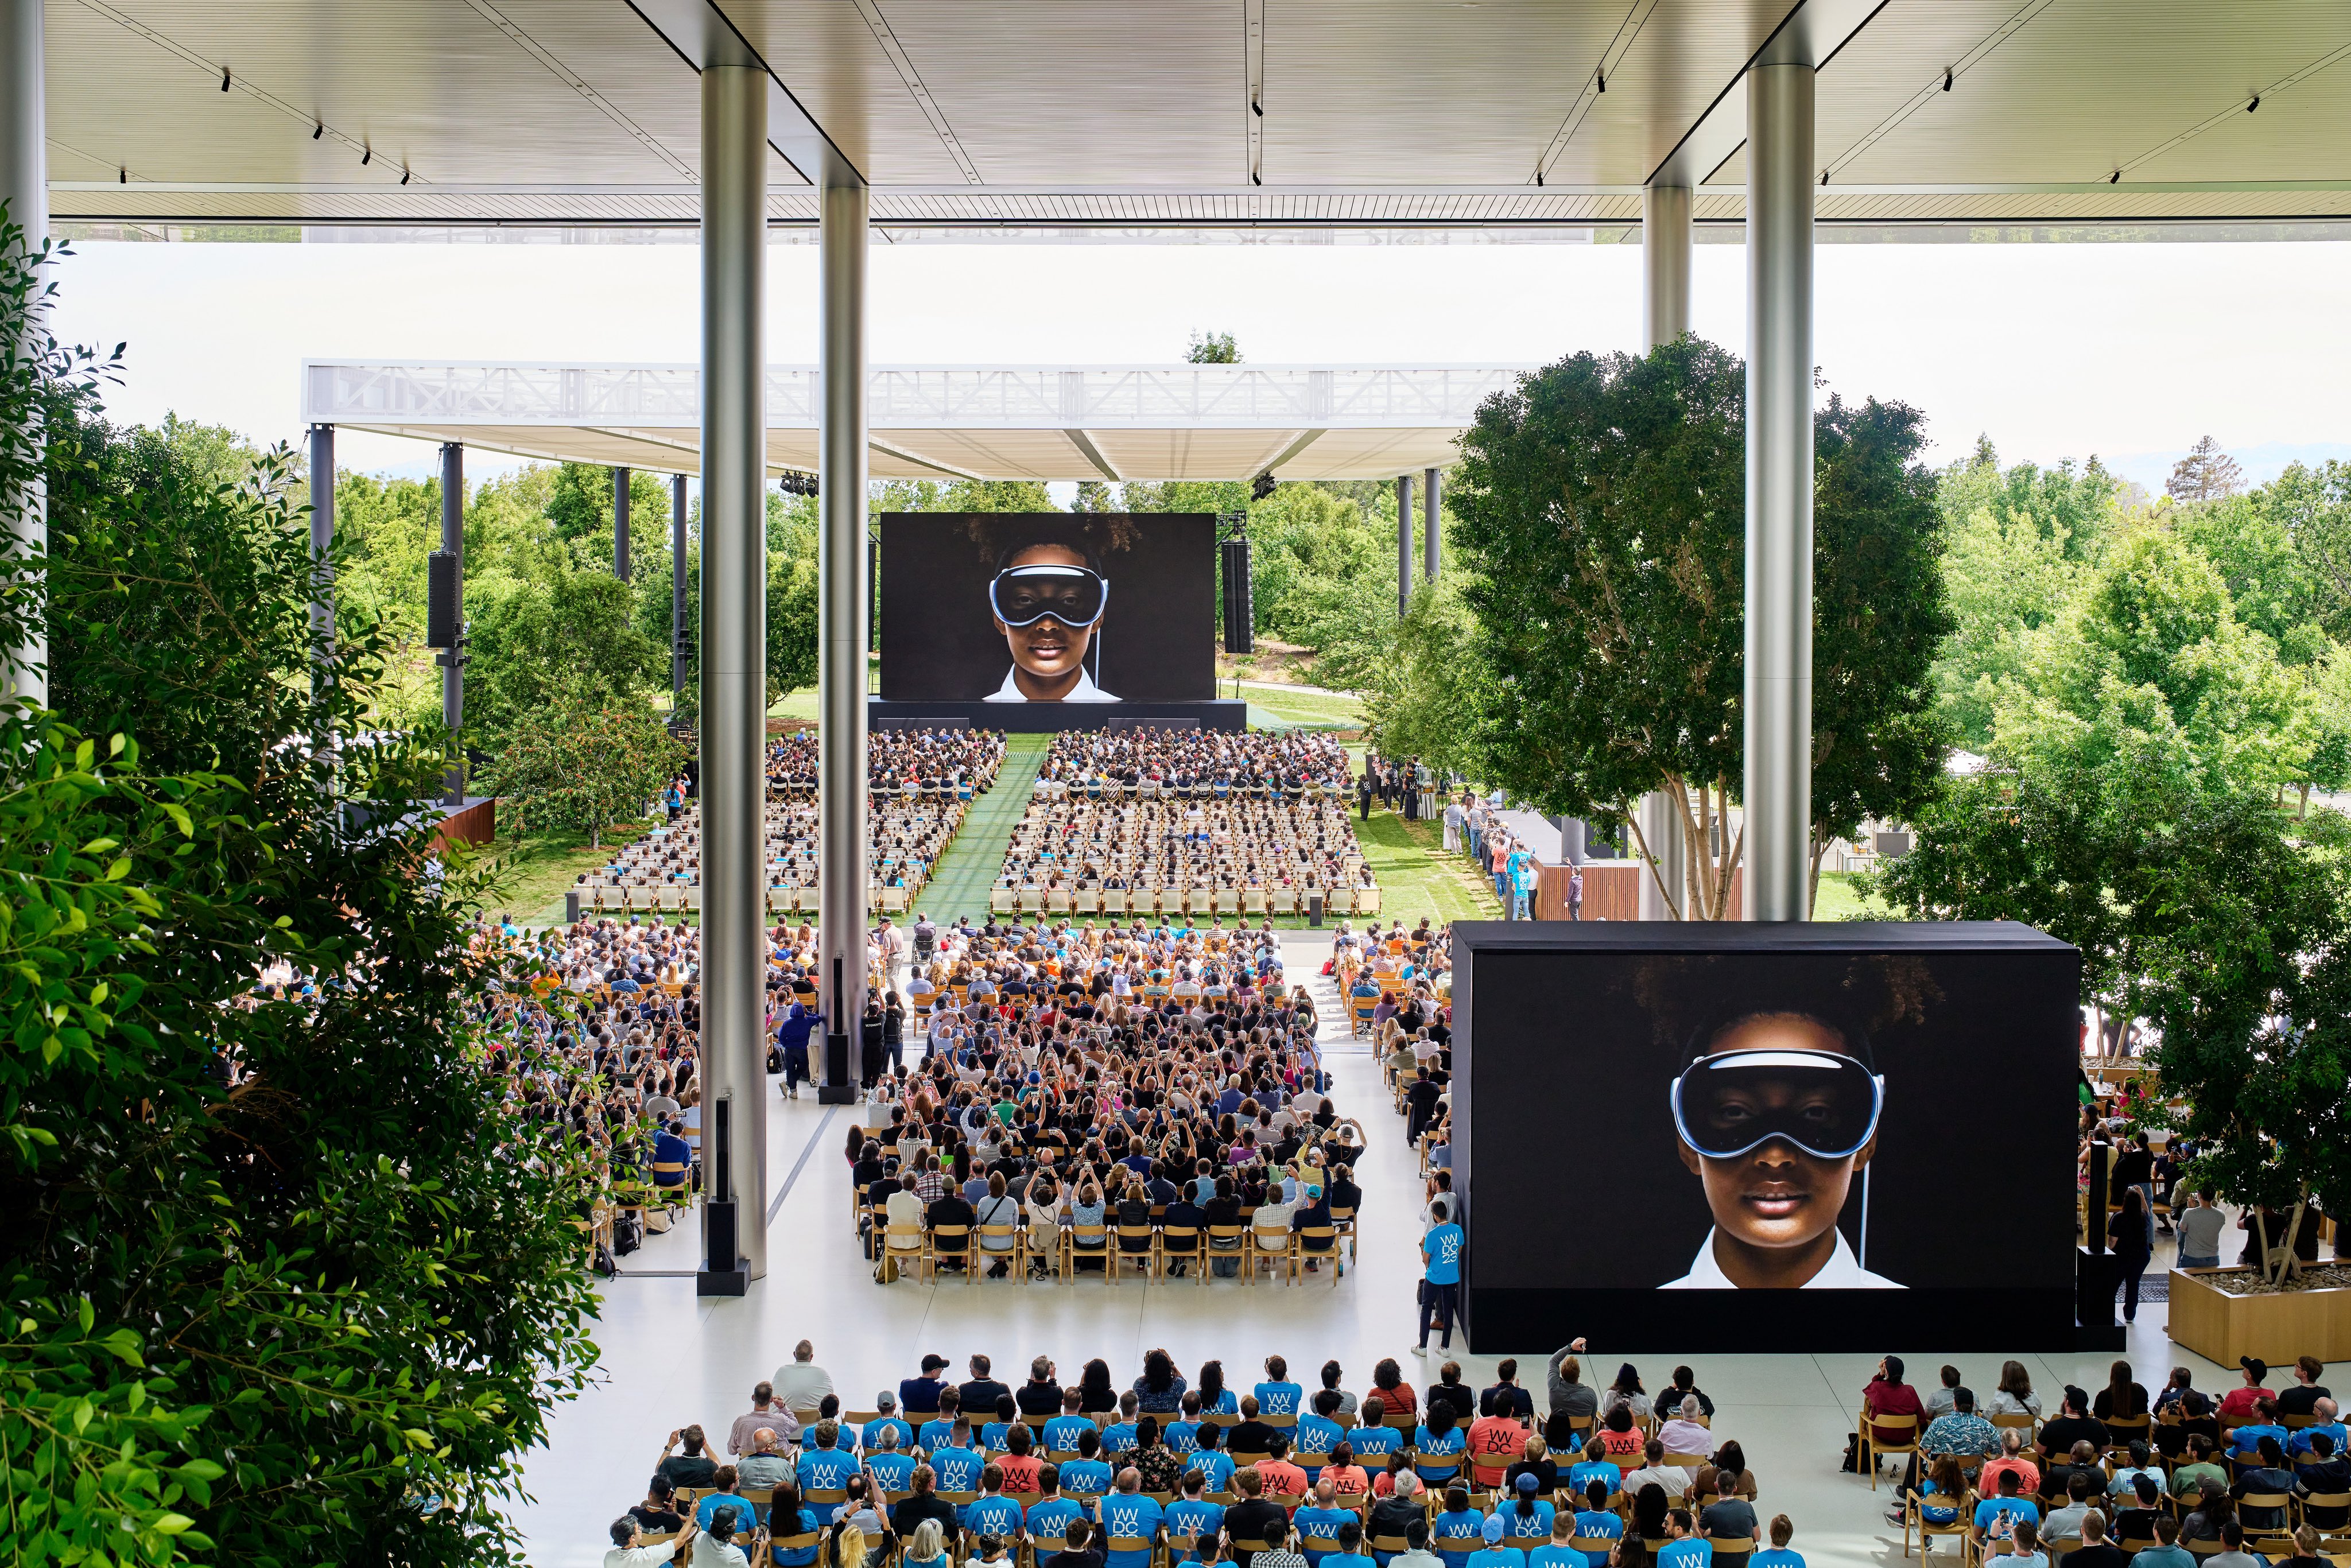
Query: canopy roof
[[1111, 114], [946, 421]]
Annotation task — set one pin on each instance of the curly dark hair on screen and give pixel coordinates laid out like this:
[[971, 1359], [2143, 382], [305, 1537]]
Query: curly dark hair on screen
[[998, 537]]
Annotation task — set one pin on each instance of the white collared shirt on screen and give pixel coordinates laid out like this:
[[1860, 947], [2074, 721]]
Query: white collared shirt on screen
[[1085, 691], [1843, 1271]]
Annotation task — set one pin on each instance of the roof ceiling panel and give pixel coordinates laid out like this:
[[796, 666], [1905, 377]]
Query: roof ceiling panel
[[2084, 88], [456, 92], [1669, 63]]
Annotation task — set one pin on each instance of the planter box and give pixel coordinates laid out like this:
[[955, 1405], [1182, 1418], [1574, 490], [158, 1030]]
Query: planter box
[[2275, 1328]]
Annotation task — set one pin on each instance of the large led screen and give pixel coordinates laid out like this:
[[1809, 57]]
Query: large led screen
[[1745, 1136], [1089, 608]]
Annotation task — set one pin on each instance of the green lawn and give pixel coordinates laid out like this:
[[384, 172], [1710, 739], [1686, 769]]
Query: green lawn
[[1416, 877], [533, 868], [1304, 707], [1840, 899]]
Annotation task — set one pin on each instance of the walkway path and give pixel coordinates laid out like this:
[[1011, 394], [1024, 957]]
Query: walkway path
[[973, 861]]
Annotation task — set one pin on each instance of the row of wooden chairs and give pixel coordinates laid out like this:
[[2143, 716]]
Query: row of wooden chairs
[[2276, 1537], [1283, 1254], [1195, 900]]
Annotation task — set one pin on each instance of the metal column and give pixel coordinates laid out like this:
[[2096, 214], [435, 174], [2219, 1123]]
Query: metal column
[[733, 728], [676, 587], [1779, 694], [1664, 316], [621, 524], [453, 660], [1404, 543], [322, 540], [1432, 544], [1664, 264], [24, 188], [843, 614]]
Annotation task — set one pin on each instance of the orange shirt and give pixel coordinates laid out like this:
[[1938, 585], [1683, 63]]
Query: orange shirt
[[1631, 1442], [1496, 1443], [1019, 1471], [1282, 1477]]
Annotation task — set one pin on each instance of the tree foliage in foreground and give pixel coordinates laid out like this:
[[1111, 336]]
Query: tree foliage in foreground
[[585, 766], [318, 1316]]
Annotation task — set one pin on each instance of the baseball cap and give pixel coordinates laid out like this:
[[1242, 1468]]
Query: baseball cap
[[1528, 1482], [933, 1363], [1492, 1529], [2255, 1364]]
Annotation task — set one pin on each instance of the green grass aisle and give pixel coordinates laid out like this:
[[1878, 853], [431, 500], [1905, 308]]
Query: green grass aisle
[[1416, 877], [969, 867]]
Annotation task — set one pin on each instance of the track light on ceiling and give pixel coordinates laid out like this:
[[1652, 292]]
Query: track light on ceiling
[[2254, 105], [367, 156], [1256, 178], [2116, 178], [125, 178], [317, 130], [1601, 77], [224, 79], [1824, 176], [1257, 108], [1947, 79], [1538, 179], [403, 176]]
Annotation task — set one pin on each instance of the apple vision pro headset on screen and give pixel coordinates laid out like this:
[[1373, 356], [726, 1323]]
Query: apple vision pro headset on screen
[[1828, 1105], [1076, 596]]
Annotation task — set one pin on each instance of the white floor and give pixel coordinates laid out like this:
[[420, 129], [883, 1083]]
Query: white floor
[[670, 1359]]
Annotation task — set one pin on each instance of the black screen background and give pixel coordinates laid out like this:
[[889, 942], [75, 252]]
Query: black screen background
[[1157, 637]]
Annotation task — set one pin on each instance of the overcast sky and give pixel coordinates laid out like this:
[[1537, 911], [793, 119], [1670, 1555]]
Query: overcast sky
[[2130, 351]]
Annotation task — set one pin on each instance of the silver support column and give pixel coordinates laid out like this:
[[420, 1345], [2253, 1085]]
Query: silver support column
[[1664, 264], [322, 539], [1664, 316], [1778, 696], [844, 616], [25, 187], [732, 726], [1404, 543], [676, 585], [621, 524], [453, 660], [1432, 544]]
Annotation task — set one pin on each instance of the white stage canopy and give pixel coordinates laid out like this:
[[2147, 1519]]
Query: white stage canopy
[[944, 422]]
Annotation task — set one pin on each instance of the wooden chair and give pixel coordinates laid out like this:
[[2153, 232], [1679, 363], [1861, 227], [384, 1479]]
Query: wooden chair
[[1916, 1524], [1874, 1445], [1183, 1244], [2341, 1500], [1277, 1248], [1597, 1544], [2286, 1505], [1329, 1254], [1225, 1233], [955, 1242], [795, 1542], [1017, 1257], [1731, 1546], [1071, 1252], [904, 1249], [1147, 1260]]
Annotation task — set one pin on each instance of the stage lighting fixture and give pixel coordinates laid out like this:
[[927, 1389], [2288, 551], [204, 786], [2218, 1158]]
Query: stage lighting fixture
[[224, 79], [317, 130], [2254, 105], [367, 156], [403, 176], [1602, 78], [1947, 79], [1261, 487], [1257, 108], [1538, 179], [126, 177]]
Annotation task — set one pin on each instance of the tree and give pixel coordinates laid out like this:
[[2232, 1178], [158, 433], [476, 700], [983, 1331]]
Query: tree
[[2206, 473], [1415, 696], [316, 1311], [2313, 507], [563, 626], [1878, 615], [2271, 588], [585, 765], [1602, 513], [1601, 519], [1093, 496], [1212, 349]]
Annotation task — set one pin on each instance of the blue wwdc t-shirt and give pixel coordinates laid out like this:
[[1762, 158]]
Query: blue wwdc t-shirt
[[1444, 1245], [995, 1515], [1131, 1516], [1279, 1398]]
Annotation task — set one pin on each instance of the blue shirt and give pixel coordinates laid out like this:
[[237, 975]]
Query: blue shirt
[[1991, 1508], [1778, 1557], [870, 1434], [2300, 1442], [1226, 1403], [1061, 1433], [958, 1471], [1317, 1435], [1547, 1555], [1427, 1443], [1453, 1536], [1200, 1520], [1182, 1437], [826, 1469], [1313, 1521], [2245, 1440], [1138, 1515], [746, 1517], [894, 1470], [1583, 1473], [938, 1434], [1516, 1524], [1347, 1560], [1499, 1557], [1279, 1398], [669, 1149], [799, 1556], [992, 1435], [1368, 1441], [1086, 1478], [1118, 1437], [1688, 1553], [1444, 1244], [1215, 1464], [1592, 1523], [995, 1514], [1048, 1519]]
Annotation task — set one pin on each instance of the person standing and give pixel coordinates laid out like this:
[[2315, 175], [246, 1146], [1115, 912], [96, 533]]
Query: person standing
[[2127, 1232], [1440, 1284], [1454, 819], [1575, 893], [2200, 1224]]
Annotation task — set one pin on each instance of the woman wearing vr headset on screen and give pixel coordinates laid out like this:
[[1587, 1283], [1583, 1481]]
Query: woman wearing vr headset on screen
[[1048, 600], [1777, 1113]]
